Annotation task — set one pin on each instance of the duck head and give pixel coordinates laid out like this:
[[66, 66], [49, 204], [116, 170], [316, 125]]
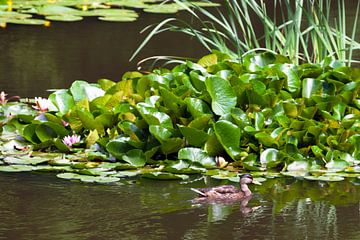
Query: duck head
[[246, 179]]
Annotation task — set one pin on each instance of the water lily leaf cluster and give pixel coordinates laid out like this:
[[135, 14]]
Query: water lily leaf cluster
[[27, 12], [261, 113]]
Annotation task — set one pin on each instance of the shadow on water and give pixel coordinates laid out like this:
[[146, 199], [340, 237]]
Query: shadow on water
[[41, 206]]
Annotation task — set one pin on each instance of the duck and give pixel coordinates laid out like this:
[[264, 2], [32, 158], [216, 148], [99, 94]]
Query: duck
[[227, 192]]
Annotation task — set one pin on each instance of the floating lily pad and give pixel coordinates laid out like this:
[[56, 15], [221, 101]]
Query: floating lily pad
[[49, 168], [60, 162], [325, 178], [164, 176], [123, 174], [14, 15], [266, 174], [16, 168], [11, 145], [56, 10], [64, 18], [68, 175], [117, 166], [163, 8], [295, 173], [89, 179], [128, 3], [117, 19], [25, 160], [28, 21], [109, 12], [96, 172]]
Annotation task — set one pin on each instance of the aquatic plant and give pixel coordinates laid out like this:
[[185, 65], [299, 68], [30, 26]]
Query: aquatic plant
[[3, 99], [41, 104], [261, 114], [71, 140], [303, 31]]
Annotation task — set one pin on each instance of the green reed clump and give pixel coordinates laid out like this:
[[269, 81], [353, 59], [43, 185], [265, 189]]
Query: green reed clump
[[304, 31]]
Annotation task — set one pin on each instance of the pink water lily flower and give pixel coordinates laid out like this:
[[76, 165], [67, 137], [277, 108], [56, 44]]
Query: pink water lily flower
[[41, 104], [71, 140], [3, 99]]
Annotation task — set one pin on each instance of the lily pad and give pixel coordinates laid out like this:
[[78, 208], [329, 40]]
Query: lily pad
[[88, 179], [64, 18], [164, 176], [325, 178], [28, 21], [49, 168], [124, 174], [25, 160], [117, 19], [163, 8], [16, 168]]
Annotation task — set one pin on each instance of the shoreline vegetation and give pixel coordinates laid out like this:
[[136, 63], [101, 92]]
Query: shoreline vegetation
[[273, 110], [217, 116]]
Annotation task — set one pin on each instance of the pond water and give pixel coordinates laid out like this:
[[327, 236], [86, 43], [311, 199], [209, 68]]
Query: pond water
[[34, 58], [40, 206]]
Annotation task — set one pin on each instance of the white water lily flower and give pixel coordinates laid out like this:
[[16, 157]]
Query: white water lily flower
[[41, 104], [3, 99]]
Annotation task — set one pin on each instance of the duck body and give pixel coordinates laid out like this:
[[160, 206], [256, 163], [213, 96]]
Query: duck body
[[226, 192]]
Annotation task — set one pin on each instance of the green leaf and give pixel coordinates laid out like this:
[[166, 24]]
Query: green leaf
[[270, 158], [229, 136], [197, 107], [222, 95], [135, 157], [164, 176], [49, 130], [118, 147], [82, 90], [172, 145], [161, 133], [62, 100], [197, 155], [194, 136], [208, 60], [182, 167], [16, 168]]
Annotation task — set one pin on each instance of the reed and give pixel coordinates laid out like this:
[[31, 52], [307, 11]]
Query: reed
[[301, 30]]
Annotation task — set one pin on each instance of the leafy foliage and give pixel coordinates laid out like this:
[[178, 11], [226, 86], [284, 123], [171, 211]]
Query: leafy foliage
[[263, 113]]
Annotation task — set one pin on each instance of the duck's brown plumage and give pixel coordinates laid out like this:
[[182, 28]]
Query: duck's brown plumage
[[227, 191]]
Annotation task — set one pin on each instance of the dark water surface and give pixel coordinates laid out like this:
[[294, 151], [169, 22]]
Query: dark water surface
[[34, 58], [40, 206]]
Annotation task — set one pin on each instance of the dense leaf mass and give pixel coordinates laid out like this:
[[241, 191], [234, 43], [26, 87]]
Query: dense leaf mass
[[257, 116]]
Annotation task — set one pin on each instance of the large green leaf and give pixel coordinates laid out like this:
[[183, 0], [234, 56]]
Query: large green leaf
[[197, 155], [228, 135], [49, 130], [118, 147], [194, 136], [223, 97], [197, 107], [83, 90], [135, 157], [62, 100]]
